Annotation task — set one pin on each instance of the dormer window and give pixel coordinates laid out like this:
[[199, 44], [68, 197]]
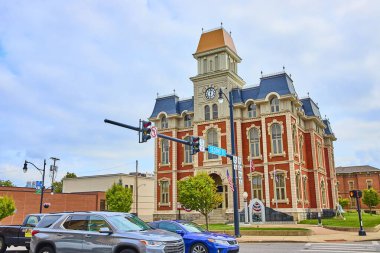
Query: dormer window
[[252, 111], [187, 120], [164, 122], [274, 105]]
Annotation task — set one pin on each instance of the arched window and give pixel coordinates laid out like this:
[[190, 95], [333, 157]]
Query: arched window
[[214, 111], [276, 138], [211, 66], [294, 137], [257, 187], [274, 105], [280, 186], [304, 188], [298, 186], [323, 192], [254, 141], [164, 189], [252, 111], [165, 151], [207, 112], [187, 120], [204, 66], [216, 63], [212, 139], [164, 122], [188, 156]]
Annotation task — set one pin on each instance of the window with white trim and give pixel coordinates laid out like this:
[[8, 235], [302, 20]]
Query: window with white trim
[[369, 183], [252, 110], [164, 151], [294, 137], [320, 155], [274, 105], [304, 188], [276, 138], [212, 139], [254, 141], [187, 120], [188, 156], [164, 189], [298, 186], [323, 193], [280, 186], [257, 187], [164, 122]]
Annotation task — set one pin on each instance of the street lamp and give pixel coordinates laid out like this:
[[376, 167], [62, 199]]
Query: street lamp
[[25, 169], [235, 193], [245, 197]]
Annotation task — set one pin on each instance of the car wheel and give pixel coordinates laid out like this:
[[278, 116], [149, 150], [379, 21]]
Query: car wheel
[[128, 251], [199, 248], [3, 246], [46, 249]]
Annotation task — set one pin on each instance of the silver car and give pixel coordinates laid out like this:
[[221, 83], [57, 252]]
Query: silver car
[[101, 232]]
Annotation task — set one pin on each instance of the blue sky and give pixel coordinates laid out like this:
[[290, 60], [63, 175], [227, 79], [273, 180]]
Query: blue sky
[[67, 65]]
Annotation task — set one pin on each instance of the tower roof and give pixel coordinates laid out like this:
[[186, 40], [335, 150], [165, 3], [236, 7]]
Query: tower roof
[[214, 39]]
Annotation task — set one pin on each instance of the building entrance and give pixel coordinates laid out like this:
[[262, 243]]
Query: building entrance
[[221, 190]]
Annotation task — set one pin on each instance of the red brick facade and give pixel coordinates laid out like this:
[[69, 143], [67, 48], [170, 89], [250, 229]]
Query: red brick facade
[[27, 201], [357, 178]]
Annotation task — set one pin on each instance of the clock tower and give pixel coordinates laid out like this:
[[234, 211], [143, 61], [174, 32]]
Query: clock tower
[[217, 61]]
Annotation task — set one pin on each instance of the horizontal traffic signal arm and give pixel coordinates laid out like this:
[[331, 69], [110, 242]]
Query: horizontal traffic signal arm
[[138, 129]]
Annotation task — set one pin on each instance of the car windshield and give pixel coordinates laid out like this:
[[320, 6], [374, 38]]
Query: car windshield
[[47, 221], [192, 227], [128, 223]]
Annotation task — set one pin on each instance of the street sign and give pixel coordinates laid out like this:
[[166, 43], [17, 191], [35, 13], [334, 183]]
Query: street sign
[[153, 132], [201, 145], [216, 150], [237, 161], [38, 187]]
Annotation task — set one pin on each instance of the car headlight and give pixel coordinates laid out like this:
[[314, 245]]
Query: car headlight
[[222, 242], [152, 243]]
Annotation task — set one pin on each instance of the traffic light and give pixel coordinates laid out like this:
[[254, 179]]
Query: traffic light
[[355, 194], [145, 130], [194, 141]]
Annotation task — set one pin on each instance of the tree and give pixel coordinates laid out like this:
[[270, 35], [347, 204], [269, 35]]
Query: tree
[[344, 202], [6, 183], [7, 206], [199, 193], [119, 198], [57, 186], [371, 198]]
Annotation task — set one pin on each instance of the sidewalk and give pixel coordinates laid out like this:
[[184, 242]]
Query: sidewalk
[[320, 234]]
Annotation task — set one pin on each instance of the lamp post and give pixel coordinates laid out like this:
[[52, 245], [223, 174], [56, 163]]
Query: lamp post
[[245, 196], [235, 193], [25, 169]]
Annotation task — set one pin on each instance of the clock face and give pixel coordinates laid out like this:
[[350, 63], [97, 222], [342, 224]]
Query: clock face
[[210, 93]]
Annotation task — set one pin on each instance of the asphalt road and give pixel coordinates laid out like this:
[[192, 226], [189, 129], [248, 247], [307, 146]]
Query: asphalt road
[[342, 247]]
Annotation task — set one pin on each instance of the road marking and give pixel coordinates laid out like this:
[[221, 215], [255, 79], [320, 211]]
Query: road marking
[[340, 247]]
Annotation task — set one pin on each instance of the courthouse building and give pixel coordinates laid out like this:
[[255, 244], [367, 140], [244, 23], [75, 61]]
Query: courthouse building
[[285, 136]]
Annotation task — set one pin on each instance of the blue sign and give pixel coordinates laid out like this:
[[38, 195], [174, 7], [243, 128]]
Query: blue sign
[[216, 150]]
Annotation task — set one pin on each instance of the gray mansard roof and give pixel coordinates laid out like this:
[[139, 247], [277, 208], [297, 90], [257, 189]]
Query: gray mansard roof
[[279, 83], [356, 169]]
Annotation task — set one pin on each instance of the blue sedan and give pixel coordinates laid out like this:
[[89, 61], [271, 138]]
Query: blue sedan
[[197, 239]]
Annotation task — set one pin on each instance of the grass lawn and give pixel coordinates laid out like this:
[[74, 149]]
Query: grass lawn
[[352, 220], [214, 227]]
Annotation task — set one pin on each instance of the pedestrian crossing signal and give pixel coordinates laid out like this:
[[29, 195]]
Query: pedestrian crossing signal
[[355, 194]]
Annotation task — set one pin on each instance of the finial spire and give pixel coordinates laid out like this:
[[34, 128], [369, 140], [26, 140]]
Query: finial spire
[[174, 91], [261, 73], [221, 24], [308, 94], [202, 29], [283, 68]]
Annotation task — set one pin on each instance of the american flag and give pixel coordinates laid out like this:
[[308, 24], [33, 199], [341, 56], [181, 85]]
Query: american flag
[[275, 174], [230, 181], [251, 166]]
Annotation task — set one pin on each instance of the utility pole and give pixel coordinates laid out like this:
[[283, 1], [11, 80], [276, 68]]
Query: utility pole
[[137, 187], [53, 170]]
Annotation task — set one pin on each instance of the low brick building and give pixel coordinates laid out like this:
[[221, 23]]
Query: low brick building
[[357, 178], [27, 201]]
